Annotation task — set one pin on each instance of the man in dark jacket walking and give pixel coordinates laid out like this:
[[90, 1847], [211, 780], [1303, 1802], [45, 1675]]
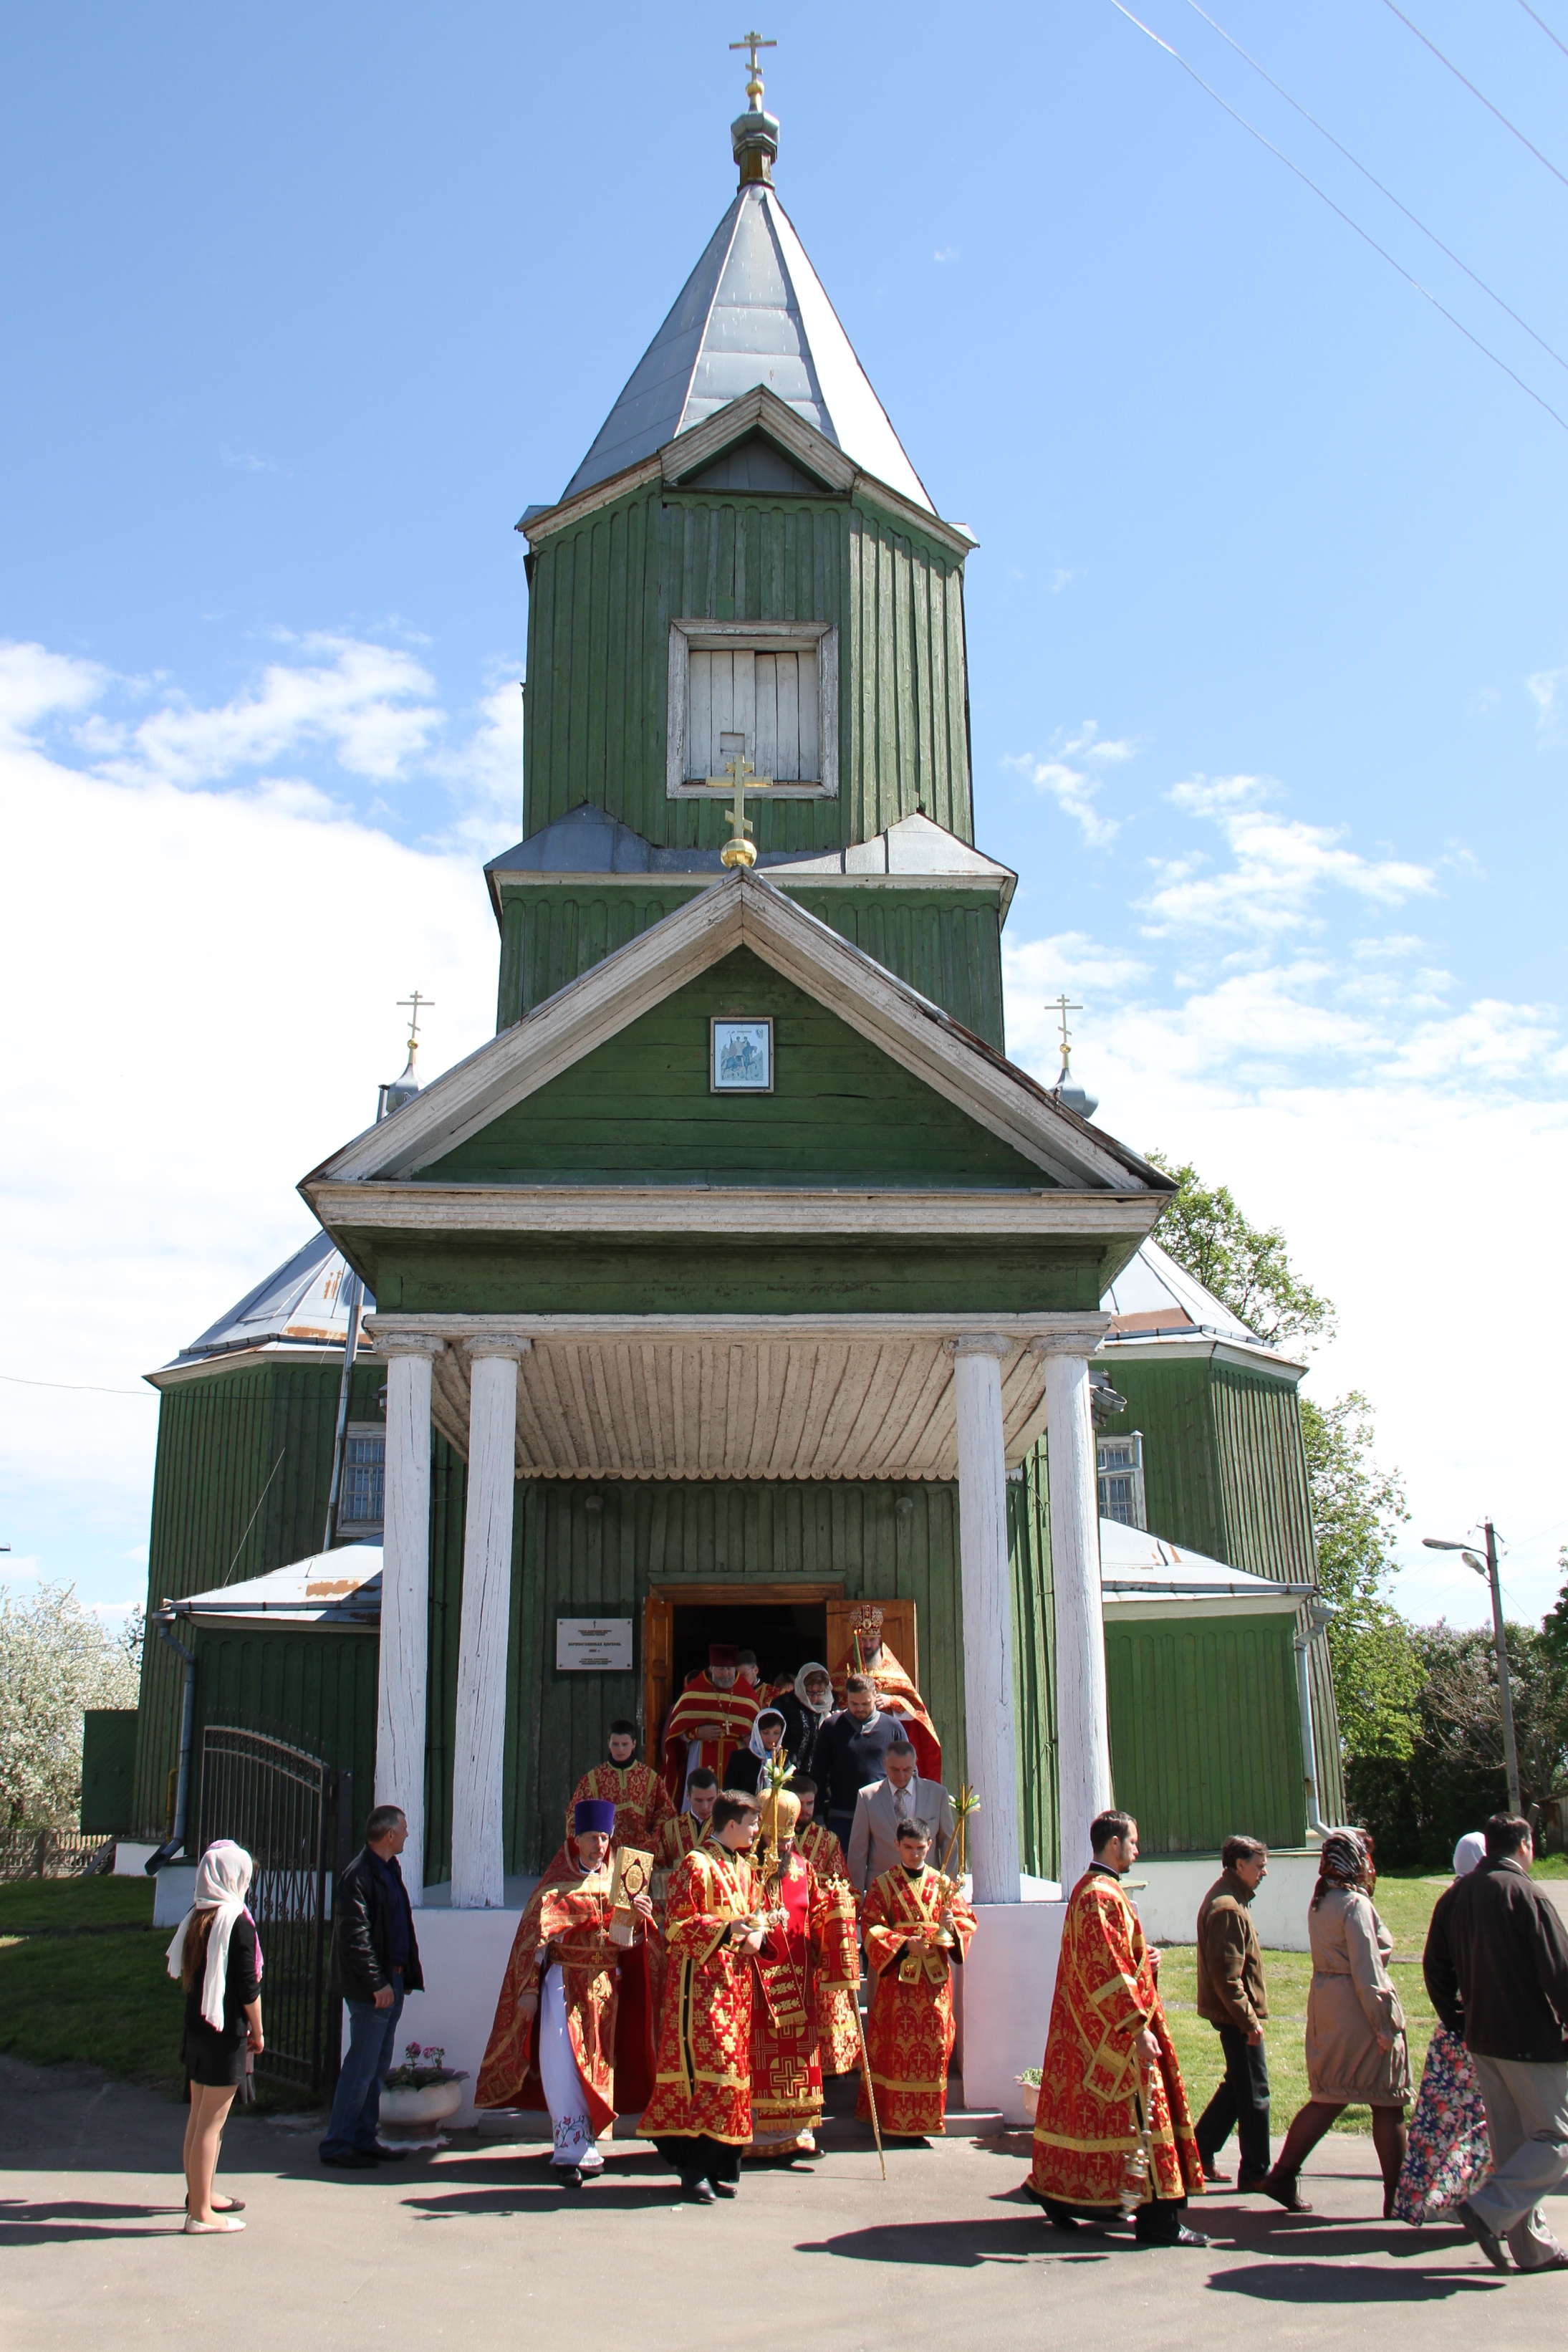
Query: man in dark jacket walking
[[1232, 1996], [375, 1961], [1496, 1967]]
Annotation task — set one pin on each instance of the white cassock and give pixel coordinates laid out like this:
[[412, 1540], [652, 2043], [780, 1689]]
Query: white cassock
[[564, 2095]]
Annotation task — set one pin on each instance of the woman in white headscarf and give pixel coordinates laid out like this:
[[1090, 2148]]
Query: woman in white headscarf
[[215, 1954], [745, 1767], [807, 1709], [1449, 2153]]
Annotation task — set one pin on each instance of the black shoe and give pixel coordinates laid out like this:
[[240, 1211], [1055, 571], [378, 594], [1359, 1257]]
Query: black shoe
[[1491, 2245], [725, 2189], [355, 2161], [701, 2192], [381, 2155], [1281, 2186], [567, 2175], [1249, 2184]]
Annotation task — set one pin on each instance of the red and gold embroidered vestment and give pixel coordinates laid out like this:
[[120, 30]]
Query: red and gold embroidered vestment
[[700, 1704], [909, 2032], [1094, 2096], [641, 1799], [702, 2083], [608, 2009], [802, 2018]]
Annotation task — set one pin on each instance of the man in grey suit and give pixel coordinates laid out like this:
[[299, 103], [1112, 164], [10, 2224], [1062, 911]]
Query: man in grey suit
[[879, 1809]]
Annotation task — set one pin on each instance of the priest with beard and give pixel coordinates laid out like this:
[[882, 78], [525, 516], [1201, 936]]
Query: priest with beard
[[712, 1717], [573, 2026]]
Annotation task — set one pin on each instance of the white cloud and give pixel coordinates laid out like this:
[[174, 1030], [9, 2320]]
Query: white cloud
[[211, 997], [367, 704], [1075, 788], [36, 683], [1280, 867]]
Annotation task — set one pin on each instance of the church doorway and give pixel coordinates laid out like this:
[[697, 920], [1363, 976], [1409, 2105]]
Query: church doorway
[[785, 1623]]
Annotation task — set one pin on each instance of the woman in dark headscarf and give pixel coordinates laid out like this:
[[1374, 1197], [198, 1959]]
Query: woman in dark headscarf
[[1356, 2053]]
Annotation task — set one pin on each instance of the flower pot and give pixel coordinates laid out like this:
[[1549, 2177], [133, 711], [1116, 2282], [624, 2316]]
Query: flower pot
[[414, 2118]]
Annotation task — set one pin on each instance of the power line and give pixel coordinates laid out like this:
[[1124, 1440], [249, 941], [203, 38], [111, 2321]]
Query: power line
[[87, 1387], [1365, 234], [1472, 275], [1544, 27], [1485, 101]]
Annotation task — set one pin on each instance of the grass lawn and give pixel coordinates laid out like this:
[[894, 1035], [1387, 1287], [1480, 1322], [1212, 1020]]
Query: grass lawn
[[82, 1976]]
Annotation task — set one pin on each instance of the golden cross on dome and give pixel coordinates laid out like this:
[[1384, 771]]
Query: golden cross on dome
[[1061, 1008], [413, 1004], [740, 778], [753, 41]]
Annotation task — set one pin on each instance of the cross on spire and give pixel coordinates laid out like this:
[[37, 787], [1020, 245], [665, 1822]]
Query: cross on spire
[[413, 1005], [753, 42], [1061, 1008]]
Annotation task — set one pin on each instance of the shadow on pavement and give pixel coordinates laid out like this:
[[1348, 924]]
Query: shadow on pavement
[[947, 2245], [65, 2221], [1347, 2283]]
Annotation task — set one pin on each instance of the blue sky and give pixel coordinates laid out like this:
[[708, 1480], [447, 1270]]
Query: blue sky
[[1268, 626]]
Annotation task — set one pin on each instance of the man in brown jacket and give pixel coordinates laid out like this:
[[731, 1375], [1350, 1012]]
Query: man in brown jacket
[[1232, 1996]]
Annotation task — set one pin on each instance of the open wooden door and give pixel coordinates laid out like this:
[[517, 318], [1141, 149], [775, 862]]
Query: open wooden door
[[658, 1671], [898, 1633]]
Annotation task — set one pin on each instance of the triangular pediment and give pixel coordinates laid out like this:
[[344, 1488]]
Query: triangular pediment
[[756, 465], [1041, 1143]]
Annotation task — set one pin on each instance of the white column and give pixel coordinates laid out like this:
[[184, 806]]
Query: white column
[[1082, 1728], [479, 1744], [987, 1581], [405, 1594]]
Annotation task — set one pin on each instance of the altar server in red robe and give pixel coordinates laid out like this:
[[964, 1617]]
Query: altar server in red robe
[[917, 1927], [573, 2024], [813, 1838], [711, 1719], [699, 2116], [1112, 2134], [641, 1799], [803, 2023]]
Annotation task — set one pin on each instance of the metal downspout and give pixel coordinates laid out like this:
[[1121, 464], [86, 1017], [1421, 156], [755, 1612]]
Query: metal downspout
[[351, 1349], [164, 1620]]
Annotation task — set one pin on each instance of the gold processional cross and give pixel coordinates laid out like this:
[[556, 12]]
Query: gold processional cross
[[740, 779], [754, 41]]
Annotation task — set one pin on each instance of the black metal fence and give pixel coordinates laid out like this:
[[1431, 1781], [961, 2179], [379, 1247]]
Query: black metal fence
[[290, 1812]]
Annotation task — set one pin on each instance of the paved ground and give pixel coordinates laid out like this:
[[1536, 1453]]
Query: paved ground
[[472, 2247]]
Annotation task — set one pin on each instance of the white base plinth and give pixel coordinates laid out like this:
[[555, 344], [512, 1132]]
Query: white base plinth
[[464, 1956], [1177, 1883], [174, 1891], [130, 1861], [1009, 1980]]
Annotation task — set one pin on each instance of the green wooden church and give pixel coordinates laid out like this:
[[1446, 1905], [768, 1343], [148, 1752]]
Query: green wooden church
[[741, 1278]]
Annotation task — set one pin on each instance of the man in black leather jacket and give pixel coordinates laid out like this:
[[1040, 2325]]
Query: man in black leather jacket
[[375, 1961], [1496, 1965]]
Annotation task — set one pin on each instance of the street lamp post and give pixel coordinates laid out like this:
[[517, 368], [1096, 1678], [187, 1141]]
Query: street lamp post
[[1489, 1570]]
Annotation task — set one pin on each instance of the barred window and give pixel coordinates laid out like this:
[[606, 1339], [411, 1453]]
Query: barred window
[[1120, 1463], [360, 1502]]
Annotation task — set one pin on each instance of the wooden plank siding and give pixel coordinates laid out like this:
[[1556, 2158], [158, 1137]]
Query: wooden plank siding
[[602, 595], [944, 943], [220, 1438], [640, 1107], [1225, 1473], [1205, 1732], [318, 1691]]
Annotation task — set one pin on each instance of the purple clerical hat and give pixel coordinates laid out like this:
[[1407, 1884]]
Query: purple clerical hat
[[593, 1813]]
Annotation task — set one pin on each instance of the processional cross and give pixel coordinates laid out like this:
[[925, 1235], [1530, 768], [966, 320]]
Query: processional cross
[[740, 778]]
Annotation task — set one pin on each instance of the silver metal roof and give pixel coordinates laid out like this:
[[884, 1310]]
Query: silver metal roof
[[329, 1590], [302, 1301], [588, 840], [1153, 1286], [753, 312]]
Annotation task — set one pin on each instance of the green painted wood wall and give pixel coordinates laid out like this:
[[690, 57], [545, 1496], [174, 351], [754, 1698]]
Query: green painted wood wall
[[316, 1691], [945, 944], [1225, 1472], [640, 1108], [604, 591], [1205, 1732], [239, 1487]]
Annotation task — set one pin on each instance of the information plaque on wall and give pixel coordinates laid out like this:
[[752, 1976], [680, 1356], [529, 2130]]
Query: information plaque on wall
[[587, 1645]]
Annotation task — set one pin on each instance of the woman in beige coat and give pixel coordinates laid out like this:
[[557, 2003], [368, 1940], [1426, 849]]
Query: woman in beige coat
[[1356, 2052]]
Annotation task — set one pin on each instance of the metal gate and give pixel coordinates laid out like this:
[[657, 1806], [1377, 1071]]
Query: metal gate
[[288, 1811]]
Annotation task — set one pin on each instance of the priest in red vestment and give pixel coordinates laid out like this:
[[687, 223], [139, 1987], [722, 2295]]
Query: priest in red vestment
[[699, 2116], [802, 2020], [641, 1799], [711, 1719], [573, 2023], [917, 1927], [895, 1693], [1112, 2134]]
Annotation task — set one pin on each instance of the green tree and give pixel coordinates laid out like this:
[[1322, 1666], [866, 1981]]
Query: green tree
[[1358, 1510], [1357, 1506], [1555, 1624], [56, 1658], [1246, 1266]]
